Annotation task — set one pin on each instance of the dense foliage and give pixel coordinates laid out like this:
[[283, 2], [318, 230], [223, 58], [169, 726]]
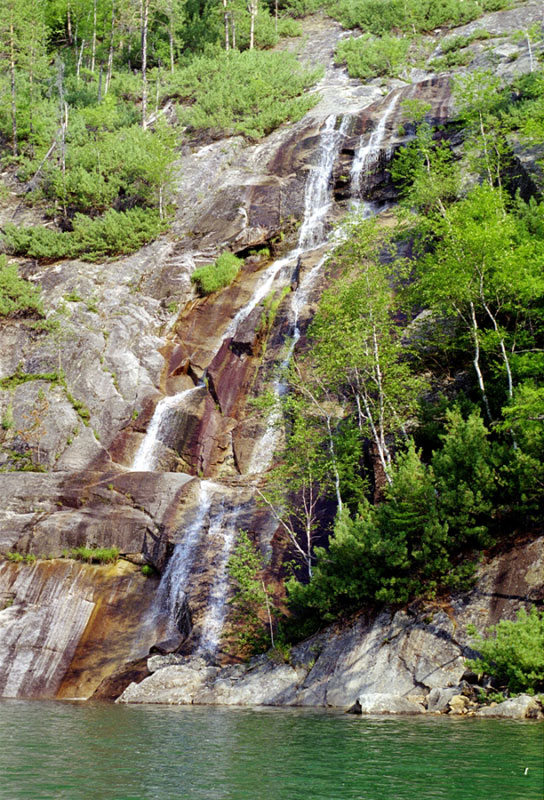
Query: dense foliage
[[17, 296], [253, 611], [427, 437], [213, 277], [512, 652], [86, 92]]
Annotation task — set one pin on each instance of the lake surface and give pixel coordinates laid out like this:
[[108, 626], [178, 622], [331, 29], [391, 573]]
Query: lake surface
[[106, 752]]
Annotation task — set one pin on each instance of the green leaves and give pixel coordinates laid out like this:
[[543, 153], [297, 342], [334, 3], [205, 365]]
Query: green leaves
[[249, 93], [253, 611], [112, 234], [213, 277], [513, 652], [368, 57], [17, 296]]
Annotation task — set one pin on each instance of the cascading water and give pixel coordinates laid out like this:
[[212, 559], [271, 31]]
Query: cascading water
[[223, 530], [370, 147], [146, 456], [172, 588], [317, 204], [317, 196], [214, 523]]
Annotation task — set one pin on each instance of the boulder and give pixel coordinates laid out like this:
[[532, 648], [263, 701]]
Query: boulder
[[381, 703], [458, 704], [521, 707], [438, 699]]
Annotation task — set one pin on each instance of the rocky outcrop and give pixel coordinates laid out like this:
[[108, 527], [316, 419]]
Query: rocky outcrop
[[522, 707], [405, 662], [78, 396], [64, 626]]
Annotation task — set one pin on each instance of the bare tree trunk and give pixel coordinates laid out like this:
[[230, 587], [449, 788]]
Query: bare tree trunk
[[69, 24], [93, 44], [269, 615], [100, 77], [80, 59], [144, 7], [233, 29], [109, 70], [252, 7], [171, 35], [226, 21], [13, 87], [476, 360]]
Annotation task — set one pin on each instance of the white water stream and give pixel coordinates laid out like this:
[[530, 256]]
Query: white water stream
[[370, 147], [172, 588], [147, 455], [220, 525]]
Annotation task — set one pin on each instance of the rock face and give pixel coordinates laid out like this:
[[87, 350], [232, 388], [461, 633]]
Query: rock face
[[81, 398], [406, 662], [60, 614]]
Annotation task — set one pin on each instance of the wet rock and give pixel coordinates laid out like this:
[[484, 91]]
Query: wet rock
[[522, 707], [438, 699], [174, 685], [50, 626], [381, 703]]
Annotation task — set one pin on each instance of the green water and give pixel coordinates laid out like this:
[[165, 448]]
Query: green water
[[103, 752]]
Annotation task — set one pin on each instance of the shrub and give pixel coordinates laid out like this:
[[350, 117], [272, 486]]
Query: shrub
[[148, 571], [95, 555], [17, 296], [368, 57], [113, 234], [383, 16], [250, 93], [513, 652], [14, 557], [212, 277]]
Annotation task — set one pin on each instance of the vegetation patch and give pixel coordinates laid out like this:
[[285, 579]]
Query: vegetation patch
[[369, 56], [512, 652], [91, 239], [213, 277], [250, 93], [18, 296], [94, 555], [410, 16]]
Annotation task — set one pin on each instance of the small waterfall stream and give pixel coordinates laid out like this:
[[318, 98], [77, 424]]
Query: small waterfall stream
[[370, 147], [171, 592], [215, 524], [146, 457]]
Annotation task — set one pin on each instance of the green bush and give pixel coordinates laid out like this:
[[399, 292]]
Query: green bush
[[95, 555], [113, 234], [368, 57], [212, 277], [250, 93], [122, 167], [383, 16], [17, 296], [512, 652]]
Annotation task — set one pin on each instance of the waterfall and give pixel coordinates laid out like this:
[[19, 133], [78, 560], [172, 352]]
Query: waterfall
[[172, 588], [147, 454], [317, 196], [222, 529], [370, 148], [215, 528], [317, 204]]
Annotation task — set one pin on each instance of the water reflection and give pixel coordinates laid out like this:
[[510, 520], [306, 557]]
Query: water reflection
[[102, 752]]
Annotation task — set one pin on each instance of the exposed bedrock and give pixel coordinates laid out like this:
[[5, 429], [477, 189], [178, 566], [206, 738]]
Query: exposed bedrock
[[396, 662], [78, 401]]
